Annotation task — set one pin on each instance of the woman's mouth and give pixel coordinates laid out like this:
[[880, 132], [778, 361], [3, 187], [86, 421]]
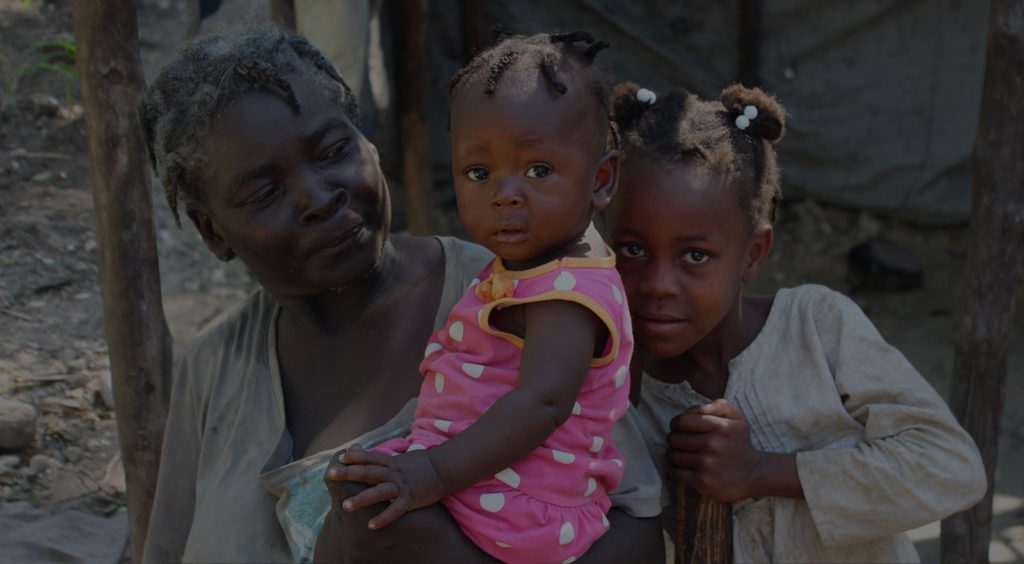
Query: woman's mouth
[[342, 242]]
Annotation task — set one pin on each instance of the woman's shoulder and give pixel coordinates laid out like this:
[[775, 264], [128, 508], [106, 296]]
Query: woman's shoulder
[[235, 328], [463, 259]]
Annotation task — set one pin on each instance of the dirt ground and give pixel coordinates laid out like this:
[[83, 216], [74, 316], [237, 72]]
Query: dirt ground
[[52, 352]]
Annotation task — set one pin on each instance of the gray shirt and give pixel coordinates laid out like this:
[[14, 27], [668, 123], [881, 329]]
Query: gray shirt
[[226, 427]]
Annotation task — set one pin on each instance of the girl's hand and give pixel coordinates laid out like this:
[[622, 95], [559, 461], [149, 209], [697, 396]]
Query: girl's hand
[[408, 480], [710, 451]]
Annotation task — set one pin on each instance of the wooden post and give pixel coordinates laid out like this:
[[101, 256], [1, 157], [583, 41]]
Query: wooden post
[[749, 65], [417, 171], [703, 532], [282, 13], [138, 340], [993, 261], [474, 33]]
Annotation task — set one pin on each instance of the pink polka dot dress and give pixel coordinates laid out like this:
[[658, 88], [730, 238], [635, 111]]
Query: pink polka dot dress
[[552, 505]]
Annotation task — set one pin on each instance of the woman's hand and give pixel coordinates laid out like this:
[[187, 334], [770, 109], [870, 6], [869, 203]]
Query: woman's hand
[[408, 480], [710, 451]]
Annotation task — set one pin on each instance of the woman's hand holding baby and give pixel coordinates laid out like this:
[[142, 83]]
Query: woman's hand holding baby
[[408, 481], [710, 451]]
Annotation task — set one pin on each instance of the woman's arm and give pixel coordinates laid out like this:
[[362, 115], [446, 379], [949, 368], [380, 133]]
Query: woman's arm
[[559, 339], [174, 502]]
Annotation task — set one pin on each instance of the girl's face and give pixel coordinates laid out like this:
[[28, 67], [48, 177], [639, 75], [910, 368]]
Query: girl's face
[[300, 198], [684, 247], [528, 170]]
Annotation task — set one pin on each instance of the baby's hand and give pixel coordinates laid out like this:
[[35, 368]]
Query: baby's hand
[[710, 451], [408, 480]]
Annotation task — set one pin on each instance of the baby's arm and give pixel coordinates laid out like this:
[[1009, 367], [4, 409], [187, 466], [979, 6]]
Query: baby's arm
[[560, 338]]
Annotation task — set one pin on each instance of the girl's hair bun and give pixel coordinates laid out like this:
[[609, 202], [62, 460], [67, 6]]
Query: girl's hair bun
[[627, 110], [770, 123]]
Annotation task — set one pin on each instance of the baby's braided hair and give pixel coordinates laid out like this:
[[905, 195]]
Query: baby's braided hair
[[556, 56], [681, 128], [180, 107]]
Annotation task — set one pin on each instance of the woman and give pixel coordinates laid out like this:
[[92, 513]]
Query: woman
[[256, 134]]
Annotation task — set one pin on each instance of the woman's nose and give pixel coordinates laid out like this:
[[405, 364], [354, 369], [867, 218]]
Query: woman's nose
[[508, 195], [321, 199]]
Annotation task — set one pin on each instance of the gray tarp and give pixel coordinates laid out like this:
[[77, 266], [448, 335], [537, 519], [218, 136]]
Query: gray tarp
[[882, 95]]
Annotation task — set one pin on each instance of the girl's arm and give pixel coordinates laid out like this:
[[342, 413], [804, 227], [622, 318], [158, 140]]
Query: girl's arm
[[560, 339]]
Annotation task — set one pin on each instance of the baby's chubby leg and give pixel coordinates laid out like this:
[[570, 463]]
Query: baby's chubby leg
[[423, 535]]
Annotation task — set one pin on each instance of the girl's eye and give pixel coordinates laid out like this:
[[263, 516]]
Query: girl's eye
[[538, 171], [696, 256], [477, 174], [631, 250]]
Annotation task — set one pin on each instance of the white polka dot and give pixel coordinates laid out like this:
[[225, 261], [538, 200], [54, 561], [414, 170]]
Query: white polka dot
[[509, 476], [415, 446], [563, 457], [456, 330], [597, 445], [591, 487], [442, 425], [475, 282], [565, 281], [576, 408], [431, 349], [617, 294], [566, 534], [502, 544], [617, 462], [492, 502], [620, 376], [515, 283], [613, 414], [472, 369], [438, 382], [604, 521], [569, 560]]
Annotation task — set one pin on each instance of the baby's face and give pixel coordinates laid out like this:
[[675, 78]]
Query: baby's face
[[528, 171]]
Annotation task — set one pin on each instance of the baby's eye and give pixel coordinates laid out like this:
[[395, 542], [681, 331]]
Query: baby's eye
[[631, 250], [538, 171], [264, 196], [696, 256], [477, 174]]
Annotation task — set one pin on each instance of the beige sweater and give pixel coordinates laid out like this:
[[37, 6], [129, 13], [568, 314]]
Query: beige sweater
[[878, 451]]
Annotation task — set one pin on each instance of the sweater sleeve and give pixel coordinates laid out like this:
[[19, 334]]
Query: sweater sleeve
[[174, 502], [915, 464]]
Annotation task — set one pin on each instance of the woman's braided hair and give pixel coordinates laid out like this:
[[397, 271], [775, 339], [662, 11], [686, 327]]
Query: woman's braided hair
[[180, 107], [558, 57], [681, 128]]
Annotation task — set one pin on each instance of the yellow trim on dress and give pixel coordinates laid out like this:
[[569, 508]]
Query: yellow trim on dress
[[570, 262]]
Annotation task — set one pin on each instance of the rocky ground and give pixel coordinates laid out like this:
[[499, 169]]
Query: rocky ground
[[52, 353]]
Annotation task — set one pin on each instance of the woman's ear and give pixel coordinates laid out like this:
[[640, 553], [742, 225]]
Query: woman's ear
[[204, 224], [758, 251], [606, 180]]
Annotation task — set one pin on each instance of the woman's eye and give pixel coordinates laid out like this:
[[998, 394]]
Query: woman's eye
[[335, 152], [631, 250], [696, 256], [477, 174], [538, 171], [264, 196]]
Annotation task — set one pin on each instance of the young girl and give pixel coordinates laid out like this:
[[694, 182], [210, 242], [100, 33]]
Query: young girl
[[825, 439], [524, 383]]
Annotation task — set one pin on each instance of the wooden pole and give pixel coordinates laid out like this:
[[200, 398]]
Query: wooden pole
[[993, 262], [138, 340], [282, 13], [749, 66], [703, 532], [417, 171]]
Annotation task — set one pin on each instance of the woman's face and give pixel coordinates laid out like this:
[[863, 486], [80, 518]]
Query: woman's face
[[299, 197], [684, 247]]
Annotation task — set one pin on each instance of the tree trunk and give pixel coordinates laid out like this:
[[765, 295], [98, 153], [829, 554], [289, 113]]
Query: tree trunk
[[137, 337], [282, 13], [993, 261], [417, 171]]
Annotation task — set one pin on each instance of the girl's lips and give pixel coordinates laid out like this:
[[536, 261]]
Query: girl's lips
[[660, 326], [510, 235]]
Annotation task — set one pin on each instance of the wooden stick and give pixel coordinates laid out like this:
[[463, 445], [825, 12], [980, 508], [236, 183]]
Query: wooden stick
[[993, 261], [138, 341], [703, 528], [417, 171]]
